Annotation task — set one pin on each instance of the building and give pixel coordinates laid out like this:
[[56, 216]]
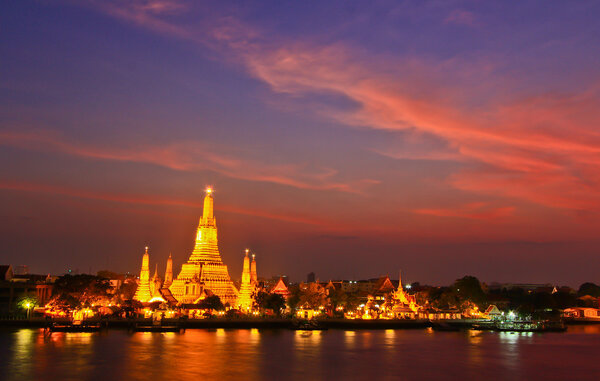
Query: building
[[144, 293], [205, 270], [253, 272], [311, 277], [169, 273], [246, 296], [16, 288], [281, 288]]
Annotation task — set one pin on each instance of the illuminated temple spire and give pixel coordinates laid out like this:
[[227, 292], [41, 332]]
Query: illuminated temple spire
[[253, 274], [245, 297], [169, 273], [205, 270], [143, 292]]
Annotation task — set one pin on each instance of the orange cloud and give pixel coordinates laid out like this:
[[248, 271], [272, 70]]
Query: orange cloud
[[146, 200], [476, 211], [543, 148], [192, 156], [547, 144]]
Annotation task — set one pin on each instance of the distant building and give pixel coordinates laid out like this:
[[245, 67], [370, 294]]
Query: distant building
[[14, 288], [281, 288], [310, 278], [245, 297]]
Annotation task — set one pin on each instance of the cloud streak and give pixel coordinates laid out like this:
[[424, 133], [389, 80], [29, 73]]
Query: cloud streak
[[475, 211], [192, 156], [157, 201], [543, 147]]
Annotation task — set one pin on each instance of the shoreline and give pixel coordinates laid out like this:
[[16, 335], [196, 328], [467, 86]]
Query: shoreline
[[233, 323], [282, 323]]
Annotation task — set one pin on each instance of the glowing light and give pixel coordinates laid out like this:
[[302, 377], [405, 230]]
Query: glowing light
[[209, 190]]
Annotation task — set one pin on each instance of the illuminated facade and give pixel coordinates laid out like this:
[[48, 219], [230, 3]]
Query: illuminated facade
[[404, 305], [155, 284], [204, 269], [169, 273], [245, 299], [253, 273], [144, 292], [280, 288]]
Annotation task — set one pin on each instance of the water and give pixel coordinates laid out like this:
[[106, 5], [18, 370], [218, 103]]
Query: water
[[28, 354]]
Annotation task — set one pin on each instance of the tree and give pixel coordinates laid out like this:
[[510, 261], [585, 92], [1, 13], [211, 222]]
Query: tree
[[72, 291], [212, 302], [314, 296], [266, 301], [294, 299], [337, 298], [468, 289], [589, 288], [107, 274]]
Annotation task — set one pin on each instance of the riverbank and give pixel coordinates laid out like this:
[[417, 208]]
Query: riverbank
[[234, 323]]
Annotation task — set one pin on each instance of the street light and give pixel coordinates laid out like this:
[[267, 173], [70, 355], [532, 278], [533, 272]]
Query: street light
[[28, 307]]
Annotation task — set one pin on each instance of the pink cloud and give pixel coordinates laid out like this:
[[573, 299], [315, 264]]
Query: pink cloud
[[543, 148], [158, 201], [476, 211], [193, 156], [461, 17]]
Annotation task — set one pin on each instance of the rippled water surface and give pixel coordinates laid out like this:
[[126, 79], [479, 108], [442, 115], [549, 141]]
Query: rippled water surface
[[28, 354]]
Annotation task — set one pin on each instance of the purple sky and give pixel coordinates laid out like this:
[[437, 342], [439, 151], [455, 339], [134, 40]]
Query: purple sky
[[352, 139]]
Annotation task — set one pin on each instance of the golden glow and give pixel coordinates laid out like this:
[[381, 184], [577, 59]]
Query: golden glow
[[204, 270], [209, 190]]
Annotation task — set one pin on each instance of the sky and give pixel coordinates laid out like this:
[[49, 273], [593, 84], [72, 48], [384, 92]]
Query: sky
[[352, 139]]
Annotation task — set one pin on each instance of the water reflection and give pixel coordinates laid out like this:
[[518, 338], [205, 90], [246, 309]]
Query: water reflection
[[282, 354]]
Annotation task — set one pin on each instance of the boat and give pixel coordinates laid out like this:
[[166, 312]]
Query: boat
[[530, 326], [308, 325], [77, 327], [156, 328], [445, 327]]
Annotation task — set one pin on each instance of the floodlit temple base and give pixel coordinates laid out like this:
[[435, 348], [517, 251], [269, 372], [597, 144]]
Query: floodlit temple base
[[204, 269]]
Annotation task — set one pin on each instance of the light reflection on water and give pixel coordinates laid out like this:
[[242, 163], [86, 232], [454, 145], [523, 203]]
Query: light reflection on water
[[225, 354]]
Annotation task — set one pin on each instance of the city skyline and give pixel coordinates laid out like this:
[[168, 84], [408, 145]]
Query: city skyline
[[352, 140]]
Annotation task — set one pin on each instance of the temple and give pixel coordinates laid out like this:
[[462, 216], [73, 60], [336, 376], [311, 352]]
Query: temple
[[144, 291], [169, 273], [253, 274], [245, 298], [281, 288], [204, 270]]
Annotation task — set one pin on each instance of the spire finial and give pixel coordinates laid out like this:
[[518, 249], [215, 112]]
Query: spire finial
[[253, 256], [146, 249], [247, 250]]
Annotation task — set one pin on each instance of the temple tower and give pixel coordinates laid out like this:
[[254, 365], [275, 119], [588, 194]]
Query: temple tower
[[204, 270], [246, 289], [143, 292], [253, 274], [155, 283], [169, 273]]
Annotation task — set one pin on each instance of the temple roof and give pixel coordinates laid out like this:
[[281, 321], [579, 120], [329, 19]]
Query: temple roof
[[280, 288], [383, 285]]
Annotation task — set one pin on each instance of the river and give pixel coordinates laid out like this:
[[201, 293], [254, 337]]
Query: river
[[29, 354]]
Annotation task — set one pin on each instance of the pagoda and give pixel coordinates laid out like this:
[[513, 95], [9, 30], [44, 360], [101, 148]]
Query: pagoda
[[245, 299], [253, 274], [204, 270], [169, 273], [144, 292]]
